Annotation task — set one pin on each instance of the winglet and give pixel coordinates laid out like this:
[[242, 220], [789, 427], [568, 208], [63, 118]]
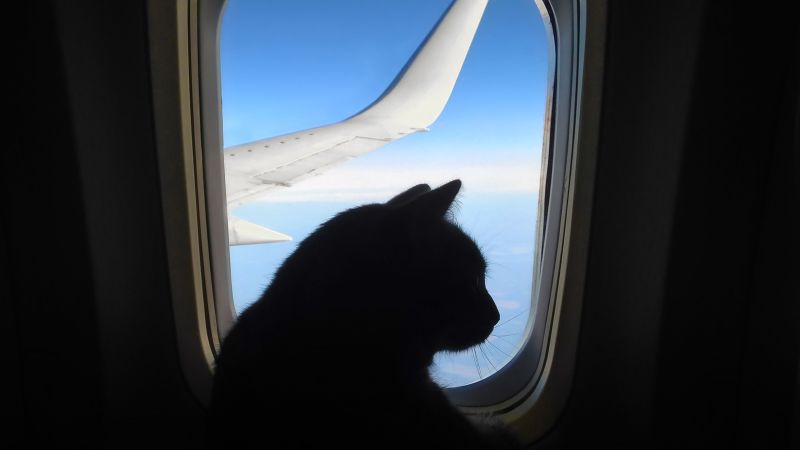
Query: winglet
[[420, 93]]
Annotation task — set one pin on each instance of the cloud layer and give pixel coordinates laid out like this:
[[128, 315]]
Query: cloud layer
[[381, 182]]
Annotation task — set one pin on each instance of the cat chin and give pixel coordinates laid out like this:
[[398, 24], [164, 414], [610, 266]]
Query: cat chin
[[455, 348], [458, 345]]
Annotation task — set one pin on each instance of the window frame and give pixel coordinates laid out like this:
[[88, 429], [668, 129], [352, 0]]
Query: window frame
[[579, 30], [497, 392], [506, 388], [531, 390]]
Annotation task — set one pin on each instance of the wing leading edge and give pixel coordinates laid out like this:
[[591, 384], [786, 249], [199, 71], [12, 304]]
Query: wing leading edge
[[412, 104]]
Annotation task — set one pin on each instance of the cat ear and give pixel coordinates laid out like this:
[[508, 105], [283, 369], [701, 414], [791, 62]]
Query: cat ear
[[410, 194], [437, 202]]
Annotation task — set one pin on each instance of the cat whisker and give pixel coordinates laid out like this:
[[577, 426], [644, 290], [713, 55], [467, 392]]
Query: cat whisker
[[480, 347], [477, 362], [509, 320], [505, 335], [500, 265], [498, 349], [504, 340]]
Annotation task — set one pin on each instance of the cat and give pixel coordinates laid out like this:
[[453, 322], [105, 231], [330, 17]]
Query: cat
[[336, 352]]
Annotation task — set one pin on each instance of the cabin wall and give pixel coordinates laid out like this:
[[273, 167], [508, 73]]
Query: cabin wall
[[97, 360], [689, 335], [52, 382], [105, 47]]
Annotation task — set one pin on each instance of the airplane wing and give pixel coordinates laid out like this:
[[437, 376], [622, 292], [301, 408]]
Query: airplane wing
[[411, 104]]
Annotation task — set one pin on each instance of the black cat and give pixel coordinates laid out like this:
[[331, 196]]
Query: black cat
[[336, 352]]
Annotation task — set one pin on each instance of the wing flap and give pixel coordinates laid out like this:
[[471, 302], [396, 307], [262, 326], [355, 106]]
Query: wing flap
[[242, 232], [252, 184]]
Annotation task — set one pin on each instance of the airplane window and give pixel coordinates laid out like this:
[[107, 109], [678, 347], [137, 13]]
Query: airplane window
[[291, 68]]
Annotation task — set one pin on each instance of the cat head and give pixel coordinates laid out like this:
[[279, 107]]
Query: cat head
[[447, 269], [404, 268]]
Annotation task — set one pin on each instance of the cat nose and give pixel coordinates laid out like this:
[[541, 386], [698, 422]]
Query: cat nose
[[495, 314]]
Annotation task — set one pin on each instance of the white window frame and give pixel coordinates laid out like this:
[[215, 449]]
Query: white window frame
[[531, 390]]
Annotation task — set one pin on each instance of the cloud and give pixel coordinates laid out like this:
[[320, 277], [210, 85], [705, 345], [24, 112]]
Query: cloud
[[508, 304], [462, 370], [381, 182]]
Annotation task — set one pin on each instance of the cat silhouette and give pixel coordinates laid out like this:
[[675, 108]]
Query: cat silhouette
[[337, 349]]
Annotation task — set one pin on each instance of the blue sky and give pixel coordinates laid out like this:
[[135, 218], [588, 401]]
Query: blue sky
[[293, 64]]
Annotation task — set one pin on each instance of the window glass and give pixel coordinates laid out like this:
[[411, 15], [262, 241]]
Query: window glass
[[290, 65]]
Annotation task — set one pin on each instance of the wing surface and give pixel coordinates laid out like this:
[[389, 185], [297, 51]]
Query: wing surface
[[411, 104]]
